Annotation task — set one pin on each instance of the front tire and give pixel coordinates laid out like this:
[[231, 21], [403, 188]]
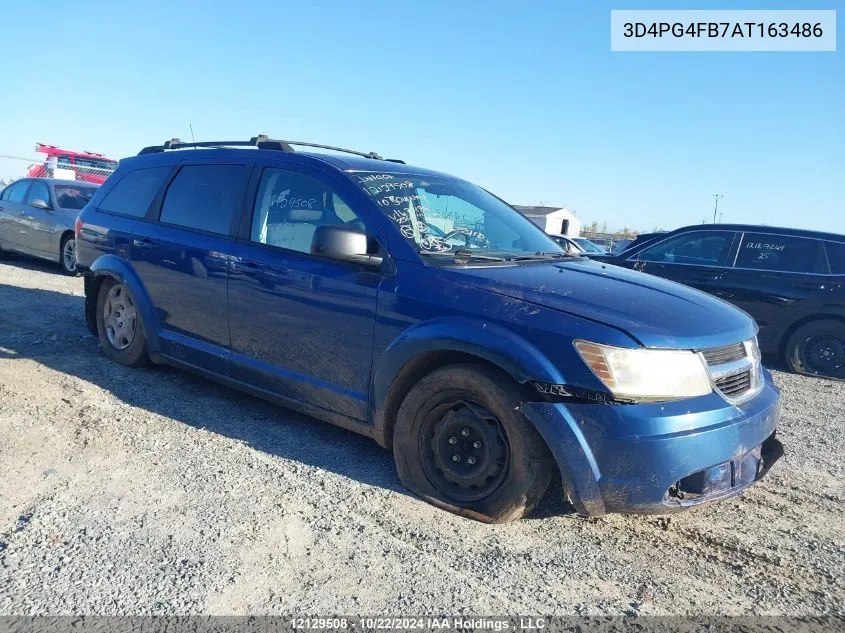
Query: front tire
[[119, 325], [67, 255], [460, 444], [817, 348]]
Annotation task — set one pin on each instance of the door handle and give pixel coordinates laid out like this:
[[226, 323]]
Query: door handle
[[816, 285], [144, 244], [706, 276], [246, 267]]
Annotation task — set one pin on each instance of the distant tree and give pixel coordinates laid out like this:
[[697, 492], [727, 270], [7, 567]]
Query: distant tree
[[593, 227], [604, 227]]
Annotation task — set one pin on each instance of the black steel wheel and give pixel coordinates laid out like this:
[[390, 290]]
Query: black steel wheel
[[466, 450], [824, 354], [460, 442], [818, 348]]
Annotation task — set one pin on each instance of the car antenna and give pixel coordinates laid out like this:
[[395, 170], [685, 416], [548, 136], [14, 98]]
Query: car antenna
[[193, 140]]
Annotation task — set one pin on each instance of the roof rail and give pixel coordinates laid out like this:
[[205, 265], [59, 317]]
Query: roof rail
[[262, 141]]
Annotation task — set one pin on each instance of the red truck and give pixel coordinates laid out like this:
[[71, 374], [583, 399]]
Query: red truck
[[88, 166]]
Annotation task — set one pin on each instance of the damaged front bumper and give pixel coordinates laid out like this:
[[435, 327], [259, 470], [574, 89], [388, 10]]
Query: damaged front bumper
[[663, 457]]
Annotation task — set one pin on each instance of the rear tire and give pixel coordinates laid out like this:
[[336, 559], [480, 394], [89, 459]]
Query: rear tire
[[817, 348], [460, 444], [119, 325], [67, 255]]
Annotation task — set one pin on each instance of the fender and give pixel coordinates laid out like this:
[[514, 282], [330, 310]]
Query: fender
[[491, 342], [523, 362], [578, 468], [821, 310], [119, 269]]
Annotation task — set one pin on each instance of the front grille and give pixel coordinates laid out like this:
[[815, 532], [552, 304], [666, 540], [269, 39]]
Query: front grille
[[735, 385], [720, 355], [735, 370]]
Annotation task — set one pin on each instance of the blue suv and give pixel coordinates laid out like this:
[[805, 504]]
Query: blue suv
[[424, 312]]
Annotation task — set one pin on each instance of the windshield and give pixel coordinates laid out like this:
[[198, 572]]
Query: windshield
[[93, 163], [73, 197], [443, 215], [588, 246]]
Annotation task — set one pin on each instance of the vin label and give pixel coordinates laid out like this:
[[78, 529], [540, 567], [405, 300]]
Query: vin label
[[723, 30]]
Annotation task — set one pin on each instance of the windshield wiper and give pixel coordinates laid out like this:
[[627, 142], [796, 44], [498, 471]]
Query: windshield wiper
[[469, 253], [465, 254], [544, 255]]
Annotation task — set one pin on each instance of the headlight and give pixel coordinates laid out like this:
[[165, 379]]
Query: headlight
[[646, 374]]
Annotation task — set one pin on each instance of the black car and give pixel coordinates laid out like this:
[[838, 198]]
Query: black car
[[791, 281], [638, 241]]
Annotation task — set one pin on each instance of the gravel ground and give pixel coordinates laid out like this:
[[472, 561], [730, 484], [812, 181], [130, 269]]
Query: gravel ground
[[153, 492]]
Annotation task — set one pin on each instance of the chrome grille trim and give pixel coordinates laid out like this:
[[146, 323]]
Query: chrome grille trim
[[736, 385], [719, 355], [735, 370]]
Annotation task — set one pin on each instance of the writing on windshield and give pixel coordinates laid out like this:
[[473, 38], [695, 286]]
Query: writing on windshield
[[442, 214]]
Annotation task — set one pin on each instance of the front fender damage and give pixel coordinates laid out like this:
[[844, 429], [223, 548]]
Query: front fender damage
[[578, 468]]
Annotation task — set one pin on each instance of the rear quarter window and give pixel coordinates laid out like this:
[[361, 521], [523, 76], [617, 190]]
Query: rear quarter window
[[836, 257], [783, 253], [134, 192]]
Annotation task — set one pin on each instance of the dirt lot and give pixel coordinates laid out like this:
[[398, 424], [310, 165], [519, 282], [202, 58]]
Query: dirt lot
[[127, 492]]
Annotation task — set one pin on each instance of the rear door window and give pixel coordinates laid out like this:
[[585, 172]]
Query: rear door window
[[205, 197], [701, 248], [134, 192], [782, 253], [836, 257]]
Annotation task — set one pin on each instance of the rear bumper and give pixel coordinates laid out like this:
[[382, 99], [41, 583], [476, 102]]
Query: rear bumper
[[660, 458]]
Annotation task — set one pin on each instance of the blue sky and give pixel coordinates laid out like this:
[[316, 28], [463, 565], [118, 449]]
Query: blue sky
[[523, 98]]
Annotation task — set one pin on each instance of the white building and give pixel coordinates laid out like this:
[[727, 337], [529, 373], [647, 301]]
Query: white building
[[553, 220]]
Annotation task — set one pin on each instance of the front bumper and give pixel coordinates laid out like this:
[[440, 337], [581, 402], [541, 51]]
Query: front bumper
[[662, 457]]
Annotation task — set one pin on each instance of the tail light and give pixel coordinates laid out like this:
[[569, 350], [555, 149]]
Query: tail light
[[77, 227]]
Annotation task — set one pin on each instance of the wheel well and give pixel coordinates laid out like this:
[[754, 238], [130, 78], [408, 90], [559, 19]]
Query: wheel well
[[803, 321], [411, 373], [92, 291], [67, 233]]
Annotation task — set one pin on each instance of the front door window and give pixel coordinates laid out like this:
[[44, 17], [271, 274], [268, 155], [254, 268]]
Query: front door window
[[698, 248]]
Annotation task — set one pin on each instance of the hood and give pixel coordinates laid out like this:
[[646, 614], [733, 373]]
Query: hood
[[656, 312]]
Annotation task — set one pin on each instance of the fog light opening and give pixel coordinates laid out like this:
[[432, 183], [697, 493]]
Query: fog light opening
[[703, 483]]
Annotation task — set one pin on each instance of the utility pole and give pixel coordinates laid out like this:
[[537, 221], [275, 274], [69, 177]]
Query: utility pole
[[716, 197]]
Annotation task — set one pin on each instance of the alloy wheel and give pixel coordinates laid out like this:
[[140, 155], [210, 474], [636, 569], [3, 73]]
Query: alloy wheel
[[69, 256]]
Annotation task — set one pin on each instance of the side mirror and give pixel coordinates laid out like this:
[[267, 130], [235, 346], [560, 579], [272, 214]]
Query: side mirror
[[38, 203], [344, 243]]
